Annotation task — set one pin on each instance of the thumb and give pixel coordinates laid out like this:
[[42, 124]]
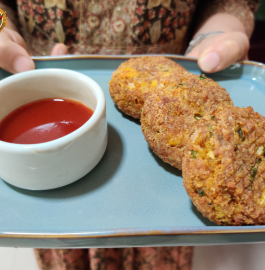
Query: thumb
[[13, 54], [223, 52], [59, 49]]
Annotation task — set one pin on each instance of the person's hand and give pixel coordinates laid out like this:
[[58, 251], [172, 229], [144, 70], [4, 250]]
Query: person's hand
[[219, 51], [14, 55], [59, 49]]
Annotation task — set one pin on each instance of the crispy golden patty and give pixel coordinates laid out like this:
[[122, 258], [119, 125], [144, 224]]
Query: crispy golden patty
[[136, 78], [171, 112], [224, 167]]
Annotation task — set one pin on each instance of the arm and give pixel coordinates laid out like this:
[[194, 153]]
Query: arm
[[219, 51]]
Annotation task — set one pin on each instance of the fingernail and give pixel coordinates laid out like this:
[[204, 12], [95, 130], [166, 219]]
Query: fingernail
[[22, 64], [209, 62]]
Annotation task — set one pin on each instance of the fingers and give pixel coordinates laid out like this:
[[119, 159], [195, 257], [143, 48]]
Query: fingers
[[14, 56], [13, 53], [59, 49], [219, 52]]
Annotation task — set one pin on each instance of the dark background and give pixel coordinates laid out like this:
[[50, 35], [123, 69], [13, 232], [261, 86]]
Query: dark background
[[257, 42]]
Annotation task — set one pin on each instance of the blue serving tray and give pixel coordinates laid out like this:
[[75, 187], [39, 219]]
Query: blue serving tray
[[131, 198]]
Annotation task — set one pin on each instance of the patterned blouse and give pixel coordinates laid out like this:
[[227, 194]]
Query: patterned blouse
[[118, 26]]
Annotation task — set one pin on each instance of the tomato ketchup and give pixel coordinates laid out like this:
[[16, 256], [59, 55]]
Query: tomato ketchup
[[43, 120]]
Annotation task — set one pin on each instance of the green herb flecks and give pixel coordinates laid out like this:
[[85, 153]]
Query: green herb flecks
[[254, 170], [213, 116], [202, 77], [237, 146], [166, 70], [181, 84], [200, 192], [193, 154], [199, 115], [126, 89], [240, 132], [140, 111]]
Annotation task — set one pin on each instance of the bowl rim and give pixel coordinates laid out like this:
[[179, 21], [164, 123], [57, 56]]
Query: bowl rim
[[67, 139]]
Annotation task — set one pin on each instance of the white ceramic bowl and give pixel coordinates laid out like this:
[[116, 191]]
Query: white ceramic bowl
[[62, 161]]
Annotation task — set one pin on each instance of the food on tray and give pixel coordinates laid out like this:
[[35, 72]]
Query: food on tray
[[171, 112], [43, 120], [136, 78], [224, 167], [190, 122]]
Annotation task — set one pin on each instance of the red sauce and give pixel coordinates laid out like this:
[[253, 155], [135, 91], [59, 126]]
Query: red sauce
[[43, 120]]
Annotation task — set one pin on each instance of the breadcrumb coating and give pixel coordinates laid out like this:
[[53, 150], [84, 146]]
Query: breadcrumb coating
[[224, 167], [171, 112], [136, 78]]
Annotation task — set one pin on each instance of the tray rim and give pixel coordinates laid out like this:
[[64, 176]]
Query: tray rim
[[126, 56], [117, 233], [131, 232]]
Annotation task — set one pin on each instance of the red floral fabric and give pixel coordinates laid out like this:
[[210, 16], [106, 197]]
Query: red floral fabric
[[105, 27], [118, 26], [158, 258]]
